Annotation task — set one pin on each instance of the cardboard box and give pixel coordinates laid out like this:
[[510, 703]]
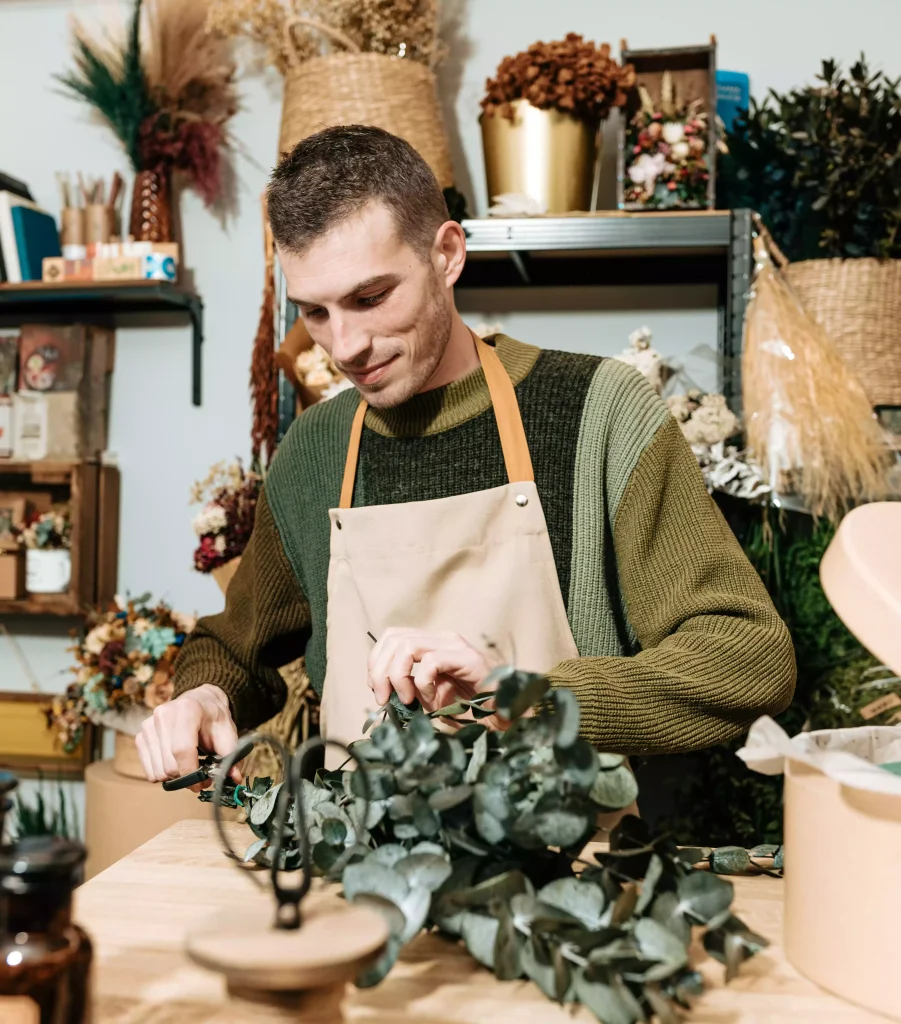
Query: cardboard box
[[150, 267], [12, 513], [30, 426], [12, 575]]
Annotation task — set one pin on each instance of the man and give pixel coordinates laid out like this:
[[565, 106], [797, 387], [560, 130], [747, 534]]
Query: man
[[467, 503]]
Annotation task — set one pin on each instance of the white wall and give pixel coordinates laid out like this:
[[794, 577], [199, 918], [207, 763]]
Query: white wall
[[163, 443]]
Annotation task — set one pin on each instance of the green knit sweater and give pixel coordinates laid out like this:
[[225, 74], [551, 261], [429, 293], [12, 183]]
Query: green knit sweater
[[680, 646]]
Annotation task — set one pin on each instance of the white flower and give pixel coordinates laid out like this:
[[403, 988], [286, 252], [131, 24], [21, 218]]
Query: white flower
[[98, 638], [647, 169], [219, 543], [641, 338], [673, 132], [319, 378], [141, 626], [680, 151], [210, 519], [185, 623], [143, 674], [335, 389]]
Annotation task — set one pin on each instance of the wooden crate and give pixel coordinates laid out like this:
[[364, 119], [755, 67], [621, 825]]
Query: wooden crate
[[27, 745], [693, 72], [92, 490]]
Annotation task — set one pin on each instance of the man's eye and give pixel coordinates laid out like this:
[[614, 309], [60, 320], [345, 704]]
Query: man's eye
[[372, 300], [317, 313]]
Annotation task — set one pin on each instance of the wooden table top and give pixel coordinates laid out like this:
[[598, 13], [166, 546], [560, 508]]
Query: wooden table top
[[139, 911]]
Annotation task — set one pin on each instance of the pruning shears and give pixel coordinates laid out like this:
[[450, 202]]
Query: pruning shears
[[206, 771]]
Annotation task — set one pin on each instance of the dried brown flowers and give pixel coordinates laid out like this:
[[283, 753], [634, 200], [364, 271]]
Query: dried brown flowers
[[571, 75], [290, 33]]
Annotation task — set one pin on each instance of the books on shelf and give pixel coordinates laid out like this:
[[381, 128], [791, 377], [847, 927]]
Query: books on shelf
[[27, 235]]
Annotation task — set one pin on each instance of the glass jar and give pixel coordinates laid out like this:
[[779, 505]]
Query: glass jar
[[45, 959]]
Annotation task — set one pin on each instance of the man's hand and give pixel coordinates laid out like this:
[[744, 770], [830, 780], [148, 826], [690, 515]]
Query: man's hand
[[434, 666], [168, 741]]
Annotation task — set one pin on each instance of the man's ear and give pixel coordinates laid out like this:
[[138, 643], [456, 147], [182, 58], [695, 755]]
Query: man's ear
[[450, 252]]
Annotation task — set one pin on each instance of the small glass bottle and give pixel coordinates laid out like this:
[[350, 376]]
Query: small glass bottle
[[45, 959]]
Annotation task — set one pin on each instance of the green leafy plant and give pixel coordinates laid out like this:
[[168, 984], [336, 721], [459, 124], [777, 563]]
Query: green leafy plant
[[718, 800], [482, 835], [45, 818], [822, 165]]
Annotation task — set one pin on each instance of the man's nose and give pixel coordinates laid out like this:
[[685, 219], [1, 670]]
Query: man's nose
[[349, 343]]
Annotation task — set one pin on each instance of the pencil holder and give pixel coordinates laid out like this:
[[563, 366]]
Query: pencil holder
[[72, 226]]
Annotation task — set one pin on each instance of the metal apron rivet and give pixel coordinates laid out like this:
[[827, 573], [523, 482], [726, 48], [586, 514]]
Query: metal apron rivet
[[338, 524], [522, 500]]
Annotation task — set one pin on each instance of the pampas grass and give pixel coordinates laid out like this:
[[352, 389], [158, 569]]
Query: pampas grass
[[809, 422]]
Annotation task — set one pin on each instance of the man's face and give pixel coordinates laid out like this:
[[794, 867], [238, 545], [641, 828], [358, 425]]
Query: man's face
[[381, 312]]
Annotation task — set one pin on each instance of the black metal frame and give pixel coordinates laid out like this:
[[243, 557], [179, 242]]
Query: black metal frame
[[108, 305], [613, 249]]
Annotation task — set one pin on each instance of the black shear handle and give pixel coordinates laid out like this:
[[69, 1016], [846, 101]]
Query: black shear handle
[[208, 764]]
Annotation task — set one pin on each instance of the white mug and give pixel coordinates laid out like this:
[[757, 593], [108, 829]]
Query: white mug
[[47, 571]]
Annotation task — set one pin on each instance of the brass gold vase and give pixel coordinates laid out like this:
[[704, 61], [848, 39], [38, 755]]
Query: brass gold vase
[[544, 154]]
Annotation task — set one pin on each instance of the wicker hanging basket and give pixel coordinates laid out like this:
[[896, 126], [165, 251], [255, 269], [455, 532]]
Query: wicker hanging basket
[[364, 88], [858, 302]]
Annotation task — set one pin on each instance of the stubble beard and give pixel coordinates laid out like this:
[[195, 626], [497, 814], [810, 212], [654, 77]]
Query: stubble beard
[[435, 326]]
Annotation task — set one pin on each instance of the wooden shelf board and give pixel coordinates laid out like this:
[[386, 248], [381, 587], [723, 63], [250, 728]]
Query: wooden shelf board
[[40, 470], [42, 604]]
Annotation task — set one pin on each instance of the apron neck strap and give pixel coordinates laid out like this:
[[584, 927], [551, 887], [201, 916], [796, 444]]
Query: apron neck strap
[[515, 447]]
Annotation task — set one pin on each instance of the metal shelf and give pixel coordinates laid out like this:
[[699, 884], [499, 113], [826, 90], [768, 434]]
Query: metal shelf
[[113, 304], [611, 230]]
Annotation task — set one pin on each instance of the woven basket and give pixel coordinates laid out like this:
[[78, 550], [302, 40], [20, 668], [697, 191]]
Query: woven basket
[[858, 302], [367, 88]]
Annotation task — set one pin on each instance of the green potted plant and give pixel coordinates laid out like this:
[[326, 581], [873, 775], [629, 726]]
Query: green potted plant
[[822, 165]]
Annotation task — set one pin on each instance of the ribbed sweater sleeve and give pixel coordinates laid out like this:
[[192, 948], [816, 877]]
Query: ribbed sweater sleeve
[[714, 653], [265, 625]]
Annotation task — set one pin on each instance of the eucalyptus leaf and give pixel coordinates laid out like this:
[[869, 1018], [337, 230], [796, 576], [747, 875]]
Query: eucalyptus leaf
[[730, 860], [665, 910], [426, 870], [325, 855], [579, 762], [501, 887], [662, 1007], [658, 943], [372, 877], [479, 932], [389, 739], [264, 808], [541, 973], [649, 884], [703, 895], [390, 911], [406, 830], [380, 970], [416, 909], [334, 831], [400, 807], [567, 717], [427, 847], [560, 824], [254, 849], [614, 788], [518, 692], [420, 739], [446, 799], [478, 758], [380, 779], [605, 1001], [425, 817], [389, 854], [583, 900], [506, 946]]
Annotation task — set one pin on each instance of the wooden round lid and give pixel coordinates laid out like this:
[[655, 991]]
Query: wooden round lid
[[861, 576], [334, 944]]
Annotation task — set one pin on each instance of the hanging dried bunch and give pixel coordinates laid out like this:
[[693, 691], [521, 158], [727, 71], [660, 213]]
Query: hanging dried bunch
[[290, 32], [809, 422], [571, 75]]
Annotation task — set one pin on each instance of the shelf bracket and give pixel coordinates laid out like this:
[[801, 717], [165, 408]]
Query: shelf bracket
[[195, 309]]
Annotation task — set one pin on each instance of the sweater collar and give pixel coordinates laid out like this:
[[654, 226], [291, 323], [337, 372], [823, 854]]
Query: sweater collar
[[454, 404]]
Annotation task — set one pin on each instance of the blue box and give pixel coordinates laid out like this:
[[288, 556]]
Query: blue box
[[733, 94]]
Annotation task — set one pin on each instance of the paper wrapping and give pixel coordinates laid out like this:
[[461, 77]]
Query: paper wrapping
[[850, 756]]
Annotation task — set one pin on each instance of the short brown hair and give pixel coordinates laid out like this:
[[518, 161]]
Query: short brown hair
[[333, 174]]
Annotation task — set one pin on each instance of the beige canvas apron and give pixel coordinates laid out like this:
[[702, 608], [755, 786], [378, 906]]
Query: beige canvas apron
[[478, 564]]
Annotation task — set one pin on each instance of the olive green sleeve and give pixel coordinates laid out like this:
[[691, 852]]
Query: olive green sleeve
[[713, 653], [265, 625]]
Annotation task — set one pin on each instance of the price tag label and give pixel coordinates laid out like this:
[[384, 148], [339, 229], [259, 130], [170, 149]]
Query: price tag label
[[886, 703], [19, 1010]]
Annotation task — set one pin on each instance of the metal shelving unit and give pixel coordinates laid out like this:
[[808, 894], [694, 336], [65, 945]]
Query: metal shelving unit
[[107, 304], [607, 248]]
